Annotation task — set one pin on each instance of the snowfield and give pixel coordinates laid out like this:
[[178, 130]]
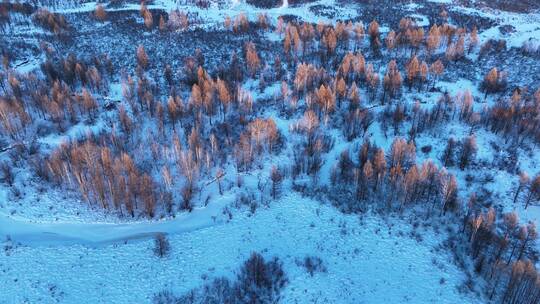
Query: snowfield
[[368, 260]]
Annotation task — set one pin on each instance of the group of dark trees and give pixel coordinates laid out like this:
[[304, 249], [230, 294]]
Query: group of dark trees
[[110, 181], [200, 130], [258, 281], [53, 22], [516, 117], [8, 9], [528, 189], [392, 181], [68, 93], [501, 249], [354, 72]]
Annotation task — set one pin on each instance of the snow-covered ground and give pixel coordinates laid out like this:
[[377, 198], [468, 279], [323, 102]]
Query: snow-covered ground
[[368, 260]]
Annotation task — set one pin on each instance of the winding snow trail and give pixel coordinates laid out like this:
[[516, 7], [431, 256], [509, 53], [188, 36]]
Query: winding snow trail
[[68, 233]]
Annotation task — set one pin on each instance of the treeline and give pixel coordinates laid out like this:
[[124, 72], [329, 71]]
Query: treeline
[[167, 179], [70, 91], [503, 252], [528, 189], [189, 138], [173, 21], [304, 40], [9, 8], [53, 22], [517, 117], [334, 83], [392, 181], [110, 181]]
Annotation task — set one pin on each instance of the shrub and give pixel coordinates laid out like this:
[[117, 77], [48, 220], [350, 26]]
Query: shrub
[[7, 173], [258, 282], [314, 264], [265, 3]]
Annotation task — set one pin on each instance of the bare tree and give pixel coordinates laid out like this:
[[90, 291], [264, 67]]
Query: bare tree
[[276, 177], [524, 180], [534, 191], [142, 58], [161, 245], [468, 151]]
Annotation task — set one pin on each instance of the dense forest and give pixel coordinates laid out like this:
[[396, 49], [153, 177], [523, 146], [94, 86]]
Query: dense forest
[[260, 106]]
